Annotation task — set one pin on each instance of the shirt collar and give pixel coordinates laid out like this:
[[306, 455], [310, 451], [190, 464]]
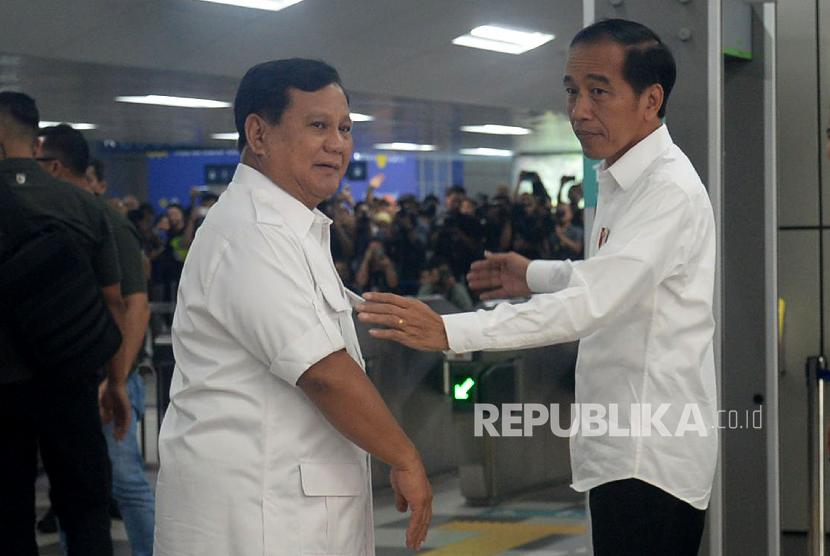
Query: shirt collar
[[630, 166], [272, 201]]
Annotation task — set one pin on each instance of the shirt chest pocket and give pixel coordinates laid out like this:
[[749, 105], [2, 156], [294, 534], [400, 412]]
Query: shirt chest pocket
[[339, 311], [333, 300], [334, 309]]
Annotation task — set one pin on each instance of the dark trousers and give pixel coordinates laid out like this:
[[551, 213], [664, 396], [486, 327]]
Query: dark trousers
[[62, 418], [631, 517]]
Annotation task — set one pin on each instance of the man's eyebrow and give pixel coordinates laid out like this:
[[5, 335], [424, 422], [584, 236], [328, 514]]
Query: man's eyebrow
[[592, 76], [599, 77]]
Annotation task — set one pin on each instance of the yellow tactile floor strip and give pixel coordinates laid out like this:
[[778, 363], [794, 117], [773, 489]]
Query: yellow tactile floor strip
[[495, 538]]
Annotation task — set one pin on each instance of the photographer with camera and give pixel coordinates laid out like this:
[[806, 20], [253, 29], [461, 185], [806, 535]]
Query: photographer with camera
[[377, 271], [437, 279], [407, 248], [566, 241]]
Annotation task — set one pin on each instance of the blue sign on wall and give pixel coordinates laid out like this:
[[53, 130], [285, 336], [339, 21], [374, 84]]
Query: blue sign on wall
[[400, 175], [171, 174]]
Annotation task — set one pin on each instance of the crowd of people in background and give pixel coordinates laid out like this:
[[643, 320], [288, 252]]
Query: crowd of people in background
[[406, 245]]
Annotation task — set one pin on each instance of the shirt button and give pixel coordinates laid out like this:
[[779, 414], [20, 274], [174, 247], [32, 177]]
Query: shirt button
[[20, 178]]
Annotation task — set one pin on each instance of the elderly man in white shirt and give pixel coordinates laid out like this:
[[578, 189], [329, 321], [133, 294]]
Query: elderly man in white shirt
[[264, 446], [641, 304]]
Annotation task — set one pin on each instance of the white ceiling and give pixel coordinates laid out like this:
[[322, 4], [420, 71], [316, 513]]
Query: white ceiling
[[395, 57]]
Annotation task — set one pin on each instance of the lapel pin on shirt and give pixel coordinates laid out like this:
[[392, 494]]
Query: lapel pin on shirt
[[603, 237]]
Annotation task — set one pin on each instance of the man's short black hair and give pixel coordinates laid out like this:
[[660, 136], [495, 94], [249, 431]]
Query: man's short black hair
[[264, 88], [647, 60], [22, 109], [455, 189], [67, 145]]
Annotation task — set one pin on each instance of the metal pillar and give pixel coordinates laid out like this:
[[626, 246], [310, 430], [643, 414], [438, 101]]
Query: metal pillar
[[817, 373]]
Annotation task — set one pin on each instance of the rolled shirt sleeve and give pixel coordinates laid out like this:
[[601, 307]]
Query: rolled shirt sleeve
[[263, 293], [129, 256], [650, 244], [104, 261]]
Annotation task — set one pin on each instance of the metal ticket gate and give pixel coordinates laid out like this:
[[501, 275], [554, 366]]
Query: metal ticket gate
[[411, 384], [519, 458], [161, 351]]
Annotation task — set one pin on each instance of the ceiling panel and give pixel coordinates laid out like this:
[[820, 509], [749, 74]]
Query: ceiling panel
[[395, 57]]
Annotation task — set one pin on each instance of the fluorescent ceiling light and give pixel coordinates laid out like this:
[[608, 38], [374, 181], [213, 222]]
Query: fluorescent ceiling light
[[356, 117], [183, 102], [404, 147], [226, 136], [502, 39], [484, 151], [495, 129], [270, 5], [80, 126]]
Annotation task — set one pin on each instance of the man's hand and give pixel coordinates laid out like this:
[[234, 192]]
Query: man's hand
[[408, 321], [347, 196], [347, 398], [500, 276], [412, 491], [114, 405], [376, 181]]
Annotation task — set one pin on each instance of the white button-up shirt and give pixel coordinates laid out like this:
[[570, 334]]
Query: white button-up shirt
[[642, 305], [249, 466]]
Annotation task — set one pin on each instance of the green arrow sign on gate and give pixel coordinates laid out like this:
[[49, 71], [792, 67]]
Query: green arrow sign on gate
[[462, 391]]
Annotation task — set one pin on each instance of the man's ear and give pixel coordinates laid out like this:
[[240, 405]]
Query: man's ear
[[256, 129], [654, 100], [55, 168]]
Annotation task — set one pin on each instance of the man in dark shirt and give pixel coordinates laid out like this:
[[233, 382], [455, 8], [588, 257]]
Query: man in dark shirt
[[60, 415], [64, 153]]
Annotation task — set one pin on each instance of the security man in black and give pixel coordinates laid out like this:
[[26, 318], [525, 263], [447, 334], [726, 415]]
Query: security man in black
[[57, 412]]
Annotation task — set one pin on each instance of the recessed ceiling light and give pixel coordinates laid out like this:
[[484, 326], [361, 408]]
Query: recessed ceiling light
[[502, 39], [404, 147], [484, 151], [80, 126], [357, 117], [226, 136], [495, 129], [182, 102], [270, 5]]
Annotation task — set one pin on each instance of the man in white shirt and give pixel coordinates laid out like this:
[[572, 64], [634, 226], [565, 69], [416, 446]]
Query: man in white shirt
[[264, 446], [641, 304]]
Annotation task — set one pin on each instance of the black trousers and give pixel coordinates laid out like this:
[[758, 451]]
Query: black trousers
[[634, 518], [62, 418]]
